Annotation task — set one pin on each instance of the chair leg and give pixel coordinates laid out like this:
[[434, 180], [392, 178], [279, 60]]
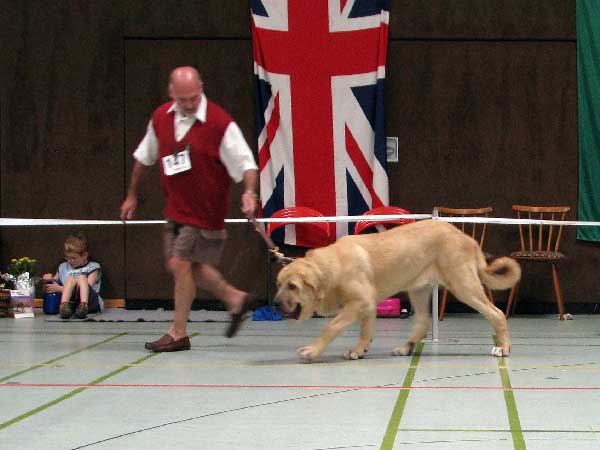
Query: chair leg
[[269, 271], [511, 298], [558, 293], [443, 305], [491, 296], [514, 306]]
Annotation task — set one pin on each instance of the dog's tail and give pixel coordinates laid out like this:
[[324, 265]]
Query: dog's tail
[[502, 273]]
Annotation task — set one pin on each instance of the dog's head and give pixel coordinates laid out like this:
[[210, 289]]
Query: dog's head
[[299, 289]]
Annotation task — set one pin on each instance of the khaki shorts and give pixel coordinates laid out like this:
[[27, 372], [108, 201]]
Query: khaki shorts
[[193, 244]]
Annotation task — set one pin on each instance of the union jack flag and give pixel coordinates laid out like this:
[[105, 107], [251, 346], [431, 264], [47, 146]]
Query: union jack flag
[[319, 69]]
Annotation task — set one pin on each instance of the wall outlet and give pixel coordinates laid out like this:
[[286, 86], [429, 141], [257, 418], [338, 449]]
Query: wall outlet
[[391, 146]]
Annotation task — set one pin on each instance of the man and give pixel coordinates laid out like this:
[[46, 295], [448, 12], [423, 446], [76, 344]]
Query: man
[[201, 149]]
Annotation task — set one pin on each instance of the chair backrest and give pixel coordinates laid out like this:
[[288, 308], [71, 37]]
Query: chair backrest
[[323, 236], [382, 210], [540, 237], [475, 230]]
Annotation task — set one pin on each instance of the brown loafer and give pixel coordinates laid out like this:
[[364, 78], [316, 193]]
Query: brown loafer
[[162, 341], [249, 302], [168, 344]]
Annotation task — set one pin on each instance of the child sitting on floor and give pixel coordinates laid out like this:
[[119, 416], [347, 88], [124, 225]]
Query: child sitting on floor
[[77, 280]]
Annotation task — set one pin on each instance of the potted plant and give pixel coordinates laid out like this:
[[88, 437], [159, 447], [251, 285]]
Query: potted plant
[[20, 274]]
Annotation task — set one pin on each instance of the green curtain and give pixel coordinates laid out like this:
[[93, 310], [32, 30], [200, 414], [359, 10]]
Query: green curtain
[[588, 87]]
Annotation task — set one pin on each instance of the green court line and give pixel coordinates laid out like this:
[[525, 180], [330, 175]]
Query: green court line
[[69, 395], [486, 430], [46, 363], [394, 423], [78, 390], [511, 406]]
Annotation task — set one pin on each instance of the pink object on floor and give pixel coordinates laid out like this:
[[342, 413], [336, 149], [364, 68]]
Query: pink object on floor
[[390, 307]]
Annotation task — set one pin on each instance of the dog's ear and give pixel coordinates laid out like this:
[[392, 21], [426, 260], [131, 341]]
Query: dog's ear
[[314, 278]]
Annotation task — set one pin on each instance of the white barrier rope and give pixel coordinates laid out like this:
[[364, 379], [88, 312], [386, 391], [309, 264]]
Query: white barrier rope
[[56, 222], [495, 220], [500, 220]]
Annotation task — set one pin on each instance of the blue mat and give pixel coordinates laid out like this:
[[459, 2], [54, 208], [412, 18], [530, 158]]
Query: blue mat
[[266, 313]]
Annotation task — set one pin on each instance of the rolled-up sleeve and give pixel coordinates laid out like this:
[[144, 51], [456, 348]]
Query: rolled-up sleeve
[[235, 153], [147, 151]]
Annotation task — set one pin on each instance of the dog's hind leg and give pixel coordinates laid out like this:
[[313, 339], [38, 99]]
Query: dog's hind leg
[[419, 299], [474, 296], [367, 324]]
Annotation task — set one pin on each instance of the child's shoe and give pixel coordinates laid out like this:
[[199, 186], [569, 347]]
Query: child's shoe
[[65, 310], [82, 311]]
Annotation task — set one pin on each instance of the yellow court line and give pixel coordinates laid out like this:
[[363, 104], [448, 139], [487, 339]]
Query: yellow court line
[[591, 367]]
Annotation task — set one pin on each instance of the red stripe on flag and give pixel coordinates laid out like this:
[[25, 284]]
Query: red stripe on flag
[[264, 154], [383, 43], [361, 164]]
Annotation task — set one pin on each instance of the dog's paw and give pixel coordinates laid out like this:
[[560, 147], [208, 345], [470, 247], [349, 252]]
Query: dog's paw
[[353, 355], [405, 350], [499, 352], [357, 352], [308, 354]]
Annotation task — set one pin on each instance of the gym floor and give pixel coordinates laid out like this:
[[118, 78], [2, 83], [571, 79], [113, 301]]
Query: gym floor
[[93, 385]]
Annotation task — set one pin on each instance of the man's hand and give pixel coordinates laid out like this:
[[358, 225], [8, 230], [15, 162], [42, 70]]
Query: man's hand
[[249, 203], [128, 207]]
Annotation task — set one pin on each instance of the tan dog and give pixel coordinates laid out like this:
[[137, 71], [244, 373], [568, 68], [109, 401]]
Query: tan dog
[[355, 273]]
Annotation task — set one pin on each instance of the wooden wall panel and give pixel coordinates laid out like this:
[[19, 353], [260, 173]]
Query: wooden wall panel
[[491, 121], [62, 128], [208, 19], [477, 19]]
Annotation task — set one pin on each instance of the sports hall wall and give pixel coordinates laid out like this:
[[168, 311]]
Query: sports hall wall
[[481, 94]]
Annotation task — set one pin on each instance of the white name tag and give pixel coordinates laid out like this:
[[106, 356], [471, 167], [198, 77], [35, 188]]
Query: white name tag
[[177, 162]]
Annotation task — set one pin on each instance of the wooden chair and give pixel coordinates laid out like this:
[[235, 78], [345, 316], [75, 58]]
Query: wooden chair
[[540, 244], [382, 210], [475, 230], [320, 232]]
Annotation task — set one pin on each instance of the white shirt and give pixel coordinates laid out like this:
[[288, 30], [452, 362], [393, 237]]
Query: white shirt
[[234, 152]]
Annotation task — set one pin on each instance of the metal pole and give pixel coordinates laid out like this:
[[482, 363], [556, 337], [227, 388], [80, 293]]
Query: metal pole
[[435, 327]]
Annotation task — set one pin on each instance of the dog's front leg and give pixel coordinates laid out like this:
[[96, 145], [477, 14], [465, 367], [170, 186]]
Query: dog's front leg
[[367, 324], [338, 324]]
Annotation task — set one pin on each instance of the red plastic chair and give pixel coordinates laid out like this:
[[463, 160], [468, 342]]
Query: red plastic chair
[[382, 210], [322, 233], [323, 229]]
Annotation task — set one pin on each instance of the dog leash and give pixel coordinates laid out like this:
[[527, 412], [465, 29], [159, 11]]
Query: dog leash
[[279, 257]]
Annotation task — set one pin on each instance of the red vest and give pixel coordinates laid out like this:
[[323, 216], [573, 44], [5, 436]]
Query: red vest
[[199, 196]]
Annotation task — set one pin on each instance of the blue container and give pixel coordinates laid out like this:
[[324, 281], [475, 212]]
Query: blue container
[[51, 302]]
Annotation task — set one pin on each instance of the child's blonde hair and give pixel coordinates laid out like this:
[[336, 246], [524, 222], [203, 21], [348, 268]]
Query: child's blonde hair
[[76, 243]]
